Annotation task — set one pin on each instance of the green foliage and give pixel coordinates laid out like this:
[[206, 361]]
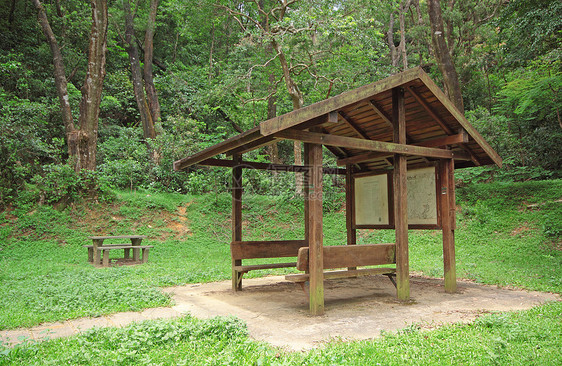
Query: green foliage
[[552, 226], [28, 139], [531, 28], [61, 184], [199, 342]]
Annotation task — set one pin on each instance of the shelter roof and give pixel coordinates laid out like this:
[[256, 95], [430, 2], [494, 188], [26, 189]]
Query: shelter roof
[[357, 127]]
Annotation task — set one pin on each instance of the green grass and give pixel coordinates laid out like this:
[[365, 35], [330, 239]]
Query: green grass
[[507, 234], [521, 338]]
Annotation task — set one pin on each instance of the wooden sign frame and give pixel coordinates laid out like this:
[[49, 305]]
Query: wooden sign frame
[[358, 220]]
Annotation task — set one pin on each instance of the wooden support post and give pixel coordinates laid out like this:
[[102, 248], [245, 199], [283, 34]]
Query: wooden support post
[[447, 202], [400, 197], [144, 254], [236, 217], [315, 234], [96, 253], [136, 251], [306, 183], [350, 208]]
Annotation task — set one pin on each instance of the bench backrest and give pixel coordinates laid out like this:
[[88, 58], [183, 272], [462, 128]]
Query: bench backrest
[[341, 256], [266, 249]]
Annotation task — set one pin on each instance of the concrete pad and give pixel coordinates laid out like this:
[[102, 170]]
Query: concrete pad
[[276, 311]]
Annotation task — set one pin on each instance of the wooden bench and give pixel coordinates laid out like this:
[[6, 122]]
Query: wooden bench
[[106, 248], [350, 256], [99, 248], [91, 250], [241, 250]]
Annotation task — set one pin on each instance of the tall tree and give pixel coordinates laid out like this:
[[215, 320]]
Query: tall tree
[[398, 52], [443, 55], [269, 23], [143, 87], [81, 139], [151, 94]]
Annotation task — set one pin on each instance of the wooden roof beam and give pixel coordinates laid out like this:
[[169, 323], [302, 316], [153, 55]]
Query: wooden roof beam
[[382, 114], [459, 138], [439, 120], [386, 118], [351, 123], [361, 144], [429, 110], [224, 146], [267, 166], [264, 141]]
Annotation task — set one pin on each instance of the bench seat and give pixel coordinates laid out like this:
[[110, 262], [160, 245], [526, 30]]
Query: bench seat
[[106, 248], [330, 275], [252, 267], [107, 245]]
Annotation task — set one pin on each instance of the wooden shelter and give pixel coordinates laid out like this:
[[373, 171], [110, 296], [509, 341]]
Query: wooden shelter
[[396, 134]]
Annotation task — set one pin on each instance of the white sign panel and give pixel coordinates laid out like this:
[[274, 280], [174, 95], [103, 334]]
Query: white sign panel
[[371, 198], [422, 197]]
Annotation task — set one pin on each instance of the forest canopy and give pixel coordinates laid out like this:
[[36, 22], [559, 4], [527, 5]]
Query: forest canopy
[[107, 94]]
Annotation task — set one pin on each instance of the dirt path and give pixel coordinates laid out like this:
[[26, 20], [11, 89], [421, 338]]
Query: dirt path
[[276, 311]]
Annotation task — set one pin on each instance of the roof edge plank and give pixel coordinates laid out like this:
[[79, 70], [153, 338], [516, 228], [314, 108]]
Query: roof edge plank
[[221, 147], [460, 118], [326, 106]]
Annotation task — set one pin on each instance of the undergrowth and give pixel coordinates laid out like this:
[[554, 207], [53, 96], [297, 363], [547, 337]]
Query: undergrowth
[[506, 235]]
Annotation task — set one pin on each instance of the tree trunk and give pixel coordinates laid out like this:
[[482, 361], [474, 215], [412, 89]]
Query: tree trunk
[[136, 75], [61, 83], [81, 142], [443, 55], [394, 55], [93, 86], [404, 6], [272, 149], [298, 101], [151, 94], [398, 52]]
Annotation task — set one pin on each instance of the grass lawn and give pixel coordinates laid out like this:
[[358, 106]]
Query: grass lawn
[[507, 234]]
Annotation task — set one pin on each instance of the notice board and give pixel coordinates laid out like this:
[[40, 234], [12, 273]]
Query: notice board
[[372, 206]]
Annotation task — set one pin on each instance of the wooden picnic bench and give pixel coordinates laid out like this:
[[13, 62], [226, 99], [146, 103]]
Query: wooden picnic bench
[[350, 256], [261, 249], [98, 247]]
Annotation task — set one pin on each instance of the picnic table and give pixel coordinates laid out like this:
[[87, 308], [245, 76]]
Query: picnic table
[[98, 247]]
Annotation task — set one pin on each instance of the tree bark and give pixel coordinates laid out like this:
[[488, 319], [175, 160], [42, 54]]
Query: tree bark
[[398, 52], [443, 55], [272, 149], [404, 6], [136, 75], [82, 141], [151, 94], [298, 101], [390, 40], [93, 86], [61, 83]]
